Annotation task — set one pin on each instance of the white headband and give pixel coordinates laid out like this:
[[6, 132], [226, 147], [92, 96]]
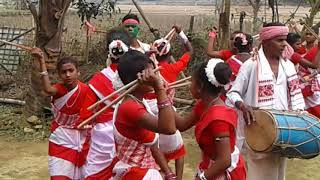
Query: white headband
[[117, 44], [210, 71]]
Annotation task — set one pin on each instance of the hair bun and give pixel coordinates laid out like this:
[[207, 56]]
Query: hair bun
[[222, 72]]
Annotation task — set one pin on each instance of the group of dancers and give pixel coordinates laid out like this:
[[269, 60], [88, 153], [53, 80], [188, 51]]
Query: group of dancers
[[137, 137]]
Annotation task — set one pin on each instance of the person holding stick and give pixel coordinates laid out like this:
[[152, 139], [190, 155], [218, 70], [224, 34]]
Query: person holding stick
[[100, 159], [170, 72], [267, 81], [243, 42], [215, 124], [135, 126], [311, 78], [171, 145], [310, 39], [224, 54], [294, 40], [68, 145], [131, 23]]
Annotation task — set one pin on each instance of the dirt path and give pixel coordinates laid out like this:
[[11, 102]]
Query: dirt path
[[23, 160], [29, 161]]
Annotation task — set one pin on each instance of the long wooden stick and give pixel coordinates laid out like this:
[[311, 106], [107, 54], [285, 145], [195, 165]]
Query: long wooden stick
[[106, 107], [166, 44], [183, 101], [179, 81], [12, 101], [180, 85], [155, 34], [27, 48], [312, 32], [170, 33], [116, 92], [18, 36]]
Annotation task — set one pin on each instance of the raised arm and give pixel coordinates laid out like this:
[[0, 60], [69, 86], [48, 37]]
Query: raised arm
[[38, 55], [184, 39], [165, 123], [212, 40]]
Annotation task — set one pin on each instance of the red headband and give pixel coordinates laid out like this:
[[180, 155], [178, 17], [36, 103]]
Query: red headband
[[130, 21]]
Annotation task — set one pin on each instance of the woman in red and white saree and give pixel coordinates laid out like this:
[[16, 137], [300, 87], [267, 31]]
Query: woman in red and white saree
[[135, 127], [243, 44], [215, 124], [68, 145]]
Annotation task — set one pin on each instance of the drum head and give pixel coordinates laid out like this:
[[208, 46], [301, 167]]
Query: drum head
[[261, 134]]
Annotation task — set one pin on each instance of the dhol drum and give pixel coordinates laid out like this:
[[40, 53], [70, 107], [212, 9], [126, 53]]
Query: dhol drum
[[291, 134]]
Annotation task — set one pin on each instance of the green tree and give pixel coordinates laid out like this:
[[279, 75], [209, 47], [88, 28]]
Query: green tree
[[49, 20]]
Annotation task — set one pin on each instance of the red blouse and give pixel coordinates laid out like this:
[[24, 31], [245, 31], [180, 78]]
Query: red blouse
[[216, 120], [129, 113], [225, 54], [170, 72]]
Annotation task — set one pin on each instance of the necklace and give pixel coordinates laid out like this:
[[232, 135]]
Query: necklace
[[74, 101]]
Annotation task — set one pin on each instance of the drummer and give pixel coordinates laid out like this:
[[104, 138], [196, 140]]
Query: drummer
[[263, 82]]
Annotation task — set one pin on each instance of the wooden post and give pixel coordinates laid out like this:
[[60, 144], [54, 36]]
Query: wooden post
[[88, 40], [224, 24], [191, 24]]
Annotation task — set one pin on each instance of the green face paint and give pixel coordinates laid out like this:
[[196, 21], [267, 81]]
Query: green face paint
[[133, 30]]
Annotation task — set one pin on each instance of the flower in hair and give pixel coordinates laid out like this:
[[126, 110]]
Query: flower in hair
[[210, 71], [159, 44], [243, 38], [117, 48]]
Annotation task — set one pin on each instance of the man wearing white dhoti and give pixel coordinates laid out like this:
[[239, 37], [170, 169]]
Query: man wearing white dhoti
[[266, 81]]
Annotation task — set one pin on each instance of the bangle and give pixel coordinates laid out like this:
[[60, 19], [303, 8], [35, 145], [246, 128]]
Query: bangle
[[164, 104], [170, 176], [202, 176], [183, 37], [44, 73]]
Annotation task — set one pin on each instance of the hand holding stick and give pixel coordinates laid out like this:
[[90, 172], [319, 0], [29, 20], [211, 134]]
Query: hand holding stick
[[310, 30], [85, 122], [27, 48], [116, 92], [166, 43]]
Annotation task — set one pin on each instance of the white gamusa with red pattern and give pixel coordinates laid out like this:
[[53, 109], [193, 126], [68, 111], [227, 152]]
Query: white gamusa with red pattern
[[132, 153], [65, 137]]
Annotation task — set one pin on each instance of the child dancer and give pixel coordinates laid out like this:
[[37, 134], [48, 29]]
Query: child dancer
[[68, 145]]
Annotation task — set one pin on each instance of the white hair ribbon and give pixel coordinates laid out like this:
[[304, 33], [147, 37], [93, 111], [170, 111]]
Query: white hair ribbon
[[210, 71]]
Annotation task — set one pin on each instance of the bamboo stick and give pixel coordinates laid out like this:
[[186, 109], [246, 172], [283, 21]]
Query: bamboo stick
[[312, 32], [116, 92], [166, 44], [183, 101], [180, 85], [12, 101], [179, 81], [27, 48], [170, 33], [85, 122]]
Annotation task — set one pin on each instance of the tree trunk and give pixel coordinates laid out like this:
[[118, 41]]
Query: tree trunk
[[224, 25], [49, 25], [255, 19]]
